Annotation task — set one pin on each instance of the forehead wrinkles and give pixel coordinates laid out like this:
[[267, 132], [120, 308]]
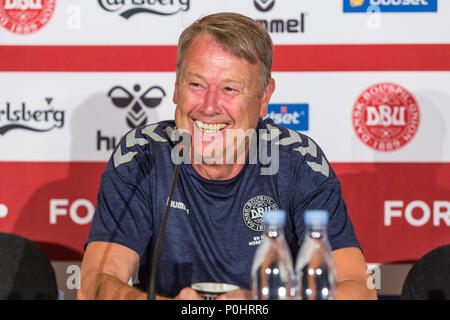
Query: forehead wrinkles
[[208, 61]]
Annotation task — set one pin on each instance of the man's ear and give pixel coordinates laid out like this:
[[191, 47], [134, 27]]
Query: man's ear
[[270, 88], [175, 93]]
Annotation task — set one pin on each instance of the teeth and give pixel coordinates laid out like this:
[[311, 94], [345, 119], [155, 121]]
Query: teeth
[[210, 127]]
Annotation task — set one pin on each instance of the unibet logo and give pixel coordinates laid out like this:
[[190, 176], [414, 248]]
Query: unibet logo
[[399, 2], [390, 5], [292, 116], [356, 3]]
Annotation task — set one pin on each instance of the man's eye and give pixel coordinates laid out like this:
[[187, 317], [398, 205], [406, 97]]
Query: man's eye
[[231, 90], [194, 84]]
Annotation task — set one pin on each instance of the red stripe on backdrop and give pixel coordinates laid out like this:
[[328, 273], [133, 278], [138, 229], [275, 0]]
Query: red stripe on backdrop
[[387, 57], [88, 58], [51, 203]]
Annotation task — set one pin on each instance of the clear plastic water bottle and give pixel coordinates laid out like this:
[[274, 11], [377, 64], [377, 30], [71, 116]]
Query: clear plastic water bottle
[[315, 268], [273, 275]]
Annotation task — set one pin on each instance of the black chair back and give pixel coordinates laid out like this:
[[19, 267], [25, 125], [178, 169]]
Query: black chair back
[[25, 271], [429, 278]]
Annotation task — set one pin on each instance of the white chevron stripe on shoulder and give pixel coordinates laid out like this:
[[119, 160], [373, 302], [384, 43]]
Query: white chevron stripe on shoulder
[[120, 158], [274, 133], [311, 149], [131, 140], [323, 168], [293, 138], [150, 131]]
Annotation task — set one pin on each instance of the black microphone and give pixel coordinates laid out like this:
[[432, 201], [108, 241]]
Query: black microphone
[[180, 155]]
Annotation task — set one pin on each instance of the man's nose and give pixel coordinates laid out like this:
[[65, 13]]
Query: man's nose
[[211, 106]]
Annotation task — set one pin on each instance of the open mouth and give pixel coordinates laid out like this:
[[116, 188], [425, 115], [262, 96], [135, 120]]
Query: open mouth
[[210, 127]]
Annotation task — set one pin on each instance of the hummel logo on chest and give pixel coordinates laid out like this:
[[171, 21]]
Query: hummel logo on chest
[[179, 205]]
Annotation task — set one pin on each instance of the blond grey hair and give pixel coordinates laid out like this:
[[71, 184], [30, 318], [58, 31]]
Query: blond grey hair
[[237, 34]]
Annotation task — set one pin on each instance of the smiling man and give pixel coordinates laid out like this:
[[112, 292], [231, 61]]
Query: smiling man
[[222, 90]]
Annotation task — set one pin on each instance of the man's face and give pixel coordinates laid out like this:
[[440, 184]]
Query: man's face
[[217, 92]]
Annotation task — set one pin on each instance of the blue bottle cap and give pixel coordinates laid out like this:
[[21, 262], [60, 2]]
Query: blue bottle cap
[[316, 217], [274, 217]]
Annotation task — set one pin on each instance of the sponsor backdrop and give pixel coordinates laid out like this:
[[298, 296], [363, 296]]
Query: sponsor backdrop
[[369, 81]]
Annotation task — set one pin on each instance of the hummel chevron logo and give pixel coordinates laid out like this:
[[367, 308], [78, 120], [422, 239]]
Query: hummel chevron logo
[[136, 103], [120, 158], [311, 149], [264, 5], [323, 168]]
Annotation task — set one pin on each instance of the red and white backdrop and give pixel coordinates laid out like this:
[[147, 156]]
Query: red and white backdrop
[[371, 87]]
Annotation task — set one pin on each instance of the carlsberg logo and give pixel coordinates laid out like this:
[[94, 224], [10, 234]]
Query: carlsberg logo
[[23, 117], [131, 7]]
